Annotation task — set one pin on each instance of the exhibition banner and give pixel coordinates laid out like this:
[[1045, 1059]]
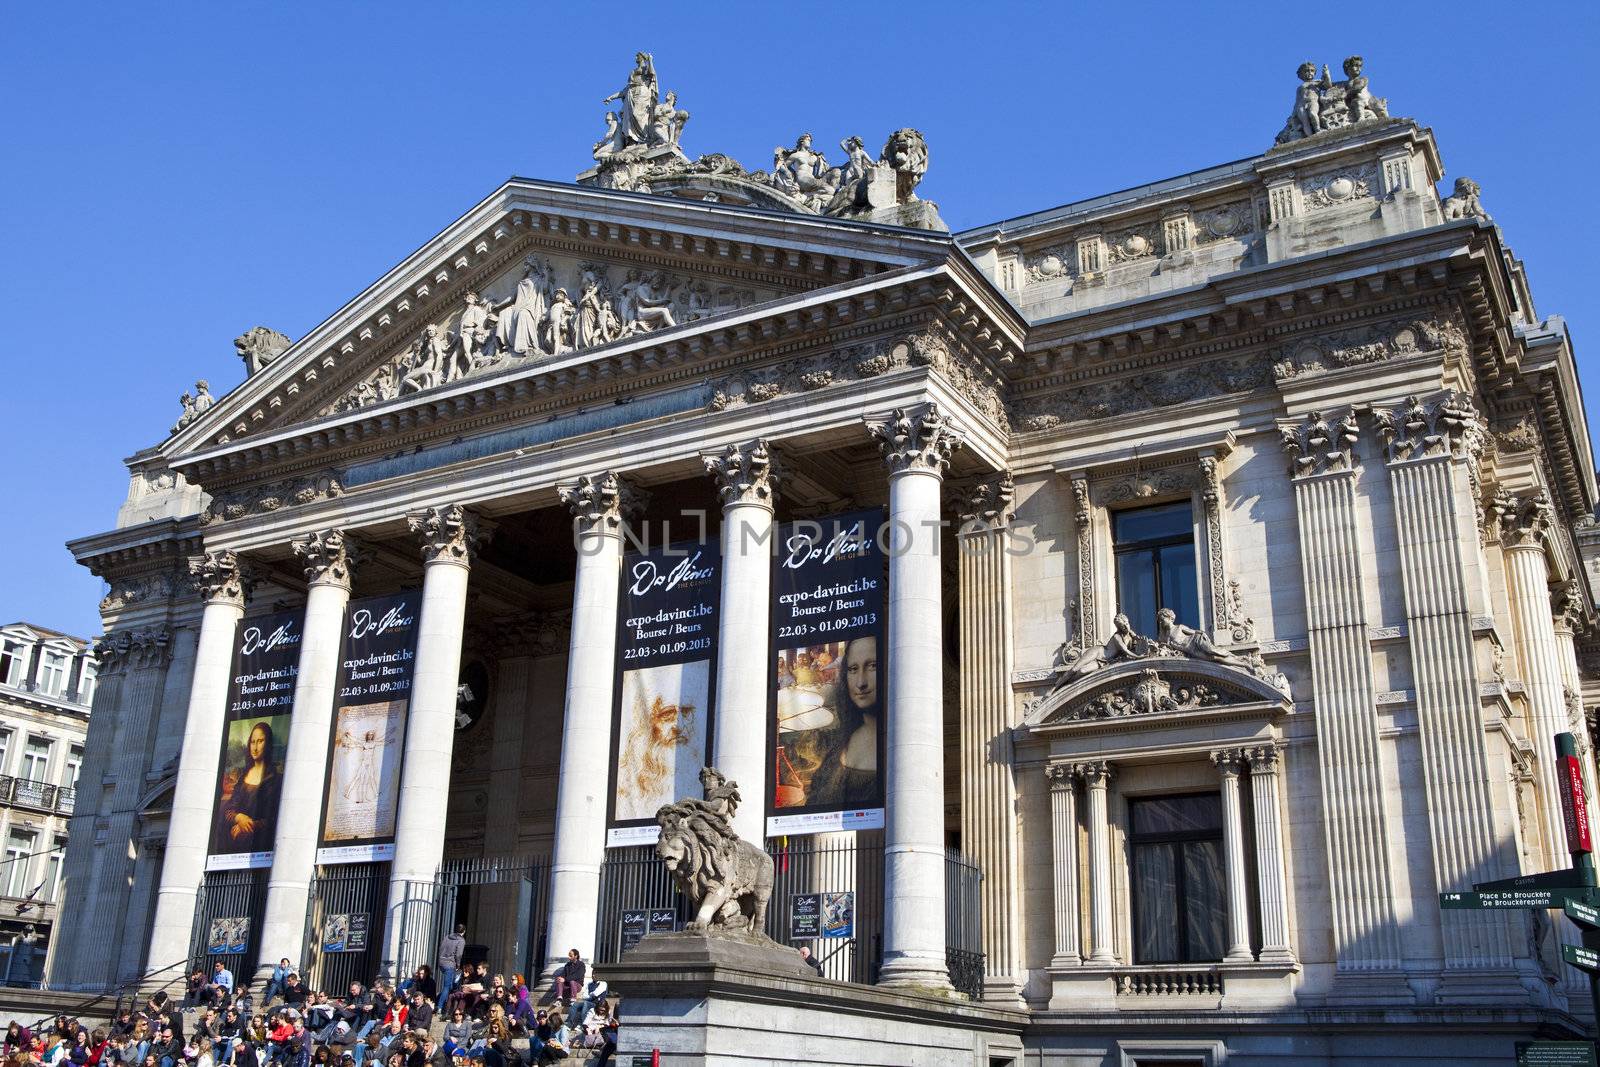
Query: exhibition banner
[[369, 729], [255, 736], [664, 686], [826, 722]]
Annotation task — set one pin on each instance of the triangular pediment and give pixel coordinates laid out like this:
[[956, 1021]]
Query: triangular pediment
[[554, 271]]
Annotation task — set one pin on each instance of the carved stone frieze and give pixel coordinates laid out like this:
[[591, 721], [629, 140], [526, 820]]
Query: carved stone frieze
[[1223, 221], [136, 589], [920, 439], [1444, 425], [450, 533], [1319, 445], [1369, 343], [745, 474], [326, 556], [1131, 243], [1149, 694], [222, 576], [122, 650], [1145, 391], [600, 503], [229, 505], [1143, 484]]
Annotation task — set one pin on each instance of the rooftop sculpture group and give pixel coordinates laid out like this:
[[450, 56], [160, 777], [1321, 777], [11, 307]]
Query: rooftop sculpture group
[[1322, 104]]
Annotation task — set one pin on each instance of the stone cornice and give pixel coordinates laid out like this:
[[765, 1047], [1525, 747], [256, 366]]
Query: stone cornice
[[160, 544]]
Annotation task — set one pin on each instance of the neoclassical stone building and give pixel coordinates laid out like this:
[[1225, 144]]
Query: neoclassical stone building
[[1234, 589]]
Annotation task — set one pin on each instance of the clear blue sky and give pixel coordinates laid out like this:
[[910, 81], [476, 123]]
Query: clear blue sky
[[177, 173]]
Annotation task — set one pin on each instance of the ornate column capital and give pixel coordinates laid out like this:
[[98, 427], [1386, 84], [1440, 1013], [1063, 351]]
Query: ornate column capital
[[1320, 445], [327, 556], [1444, 425], [1263, 759], [921, 439], [745, 474], [1525, 521], [1096, 773], [222, 577], [1061, 776], [123, 650], [1230, 761], [1567, 605], [448, 534], [600, 503], [987, 504]]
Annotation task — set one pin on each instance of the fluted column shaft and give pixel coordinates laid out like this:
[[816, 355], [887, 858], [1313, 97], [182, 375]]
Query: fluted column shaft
[[586, 733], [746, 478], [1102, 947], [194, 792], [1543, 683], [1064, 865], [916, 446], [1230, 762], [305, 762], [1271, 889], [449, 537]]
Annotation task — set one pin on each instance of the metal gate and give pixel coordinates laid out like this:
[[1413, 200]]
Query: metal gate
[[632, 878], [502, 901], [230, 905], [343, 898]]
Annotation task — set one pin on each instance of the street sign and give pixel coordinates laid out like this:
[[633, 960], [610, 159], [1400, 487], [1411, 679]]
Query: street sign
[[1574, 807], [1555, 1054], [1585, 959], [1583, 912], [1571, 878], [1523, 898]]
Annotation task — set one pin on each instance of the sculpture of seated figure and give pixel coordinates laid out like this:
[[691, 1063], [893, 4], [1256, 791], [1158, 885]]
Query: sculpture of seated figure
[[1119, 646], [1191, 642]]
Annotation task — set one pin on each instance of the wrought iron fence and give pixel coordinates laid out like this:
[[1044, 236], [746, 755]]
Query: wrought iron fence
[[340, 894], [31, 794], [229, 904]]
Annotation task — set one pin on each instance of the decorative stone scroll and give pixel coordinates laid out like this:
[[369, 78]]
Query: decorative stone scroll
[[1320, 445], [221, 576], [448, 534], [920, 440], [600, 503], [1322, 104], [257, 500], [745, 474], [326, 557]]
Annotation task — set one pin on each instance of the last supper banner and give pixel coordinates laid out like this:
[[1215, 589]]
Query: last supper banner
[[826, 721], [665, 684]]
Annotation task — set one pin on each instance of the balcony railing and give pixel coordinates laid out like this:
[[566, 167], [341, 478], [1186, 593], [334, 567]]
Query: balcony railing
[[27, 793]]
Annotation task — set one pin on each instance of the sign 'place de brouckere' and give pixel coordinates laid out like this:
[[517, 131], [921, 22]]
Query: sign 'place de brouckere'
[[1105, 632]]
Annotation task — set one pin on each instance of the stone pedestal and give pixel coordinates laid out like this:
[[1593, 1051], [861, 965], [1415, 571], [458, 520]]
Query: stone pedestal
[[721, 1001]]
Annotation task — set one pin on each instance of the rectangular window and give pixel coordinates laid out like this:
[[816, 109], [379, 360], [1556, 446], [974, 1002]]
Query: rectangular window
[[52, 881], [36, 759], [1155, 560], [53, 673], [74, 766], [1179, 884], [19, 847], [86, 683], [13, 662], [5, 751]]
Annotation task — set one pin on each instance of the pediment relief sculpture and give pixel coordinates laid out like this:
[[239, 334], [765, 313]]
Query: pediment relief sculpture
[[1180, 669], [550, 307]]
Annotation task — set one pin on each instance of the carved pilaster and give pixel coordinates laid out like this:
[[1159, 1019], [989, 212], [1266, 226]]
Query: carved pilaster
[[918, 440], [1445, 425], [746, 474], [1319, 445], [1222, 627], [601, 503], [1068, 921], [449, 534], [987, 505], [222, 576], [1082, 517], [327, 556]]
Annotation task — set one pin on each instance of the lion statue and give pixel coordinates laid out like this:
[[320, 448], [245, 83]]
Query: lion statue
[[259, 347], [726, 878], [907, 152]]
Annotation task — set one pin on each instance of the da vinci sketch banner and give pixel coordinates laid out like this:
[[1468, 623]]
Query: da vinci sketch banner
[[664, 686], [826, 723], [369, 729], [255, 736]]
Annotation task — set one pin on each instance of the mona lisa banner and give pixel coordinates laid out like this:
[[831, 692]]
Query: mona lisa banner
[[370, 702], [826, 721], [255, 735], [665, 684]]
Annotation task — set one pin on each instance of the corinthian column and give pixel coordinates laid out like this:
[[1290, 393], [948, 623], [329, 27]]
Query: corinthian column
[[1097, 776], [1270, 887], [1230, 762], [1366, 935], [223, 584], [326, 558], [599, 504], [747, 478], [917, 446], [1064, 864], [450, 536], [988, 792]]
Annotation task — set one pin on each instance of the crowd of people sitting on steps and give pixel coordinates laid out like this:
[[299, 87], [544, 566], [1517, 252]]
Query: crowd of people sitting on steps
[[462, 1015]]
